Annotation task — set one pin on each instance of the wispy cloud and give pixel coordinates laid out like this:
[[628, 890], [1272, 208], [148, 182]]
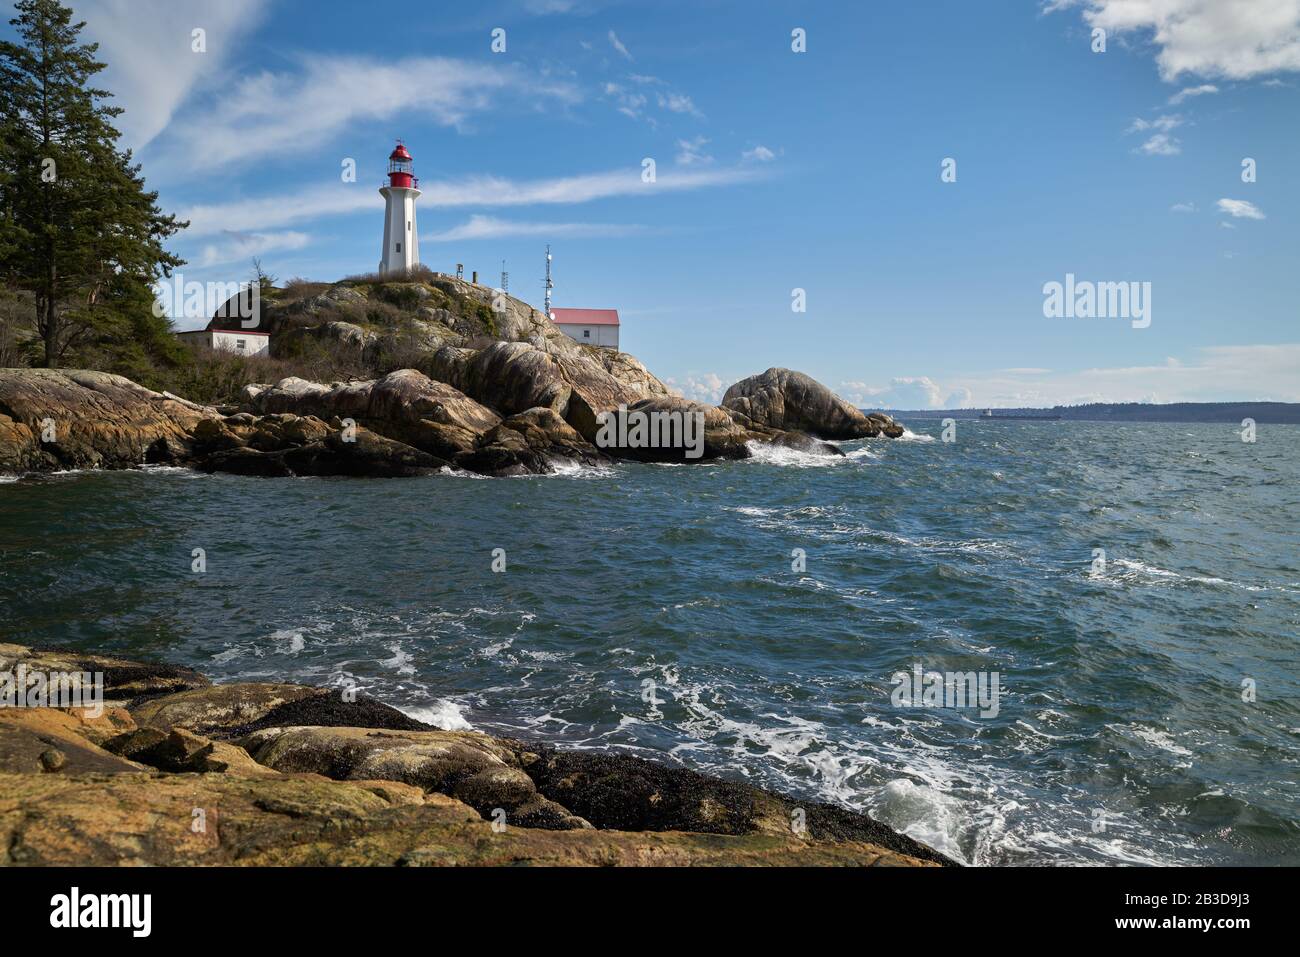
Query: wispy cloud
[[1162, 123], [236, 247], [617, 44], [1216, 374], [1183, 208], [275, 211], [270, 114], [629, 102], [678, 103], [1190, 91], [1240, 209], [487, 227], [759, 153], [152, 66], [691, 152], [1211, 38], [1161, 143]]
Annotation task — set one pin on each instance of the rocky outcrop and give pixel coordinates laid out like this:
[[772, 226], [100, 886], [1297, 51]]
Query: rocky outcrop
[[52, 420], [790, 401], [286, 774], [499, 390], [668, 428]]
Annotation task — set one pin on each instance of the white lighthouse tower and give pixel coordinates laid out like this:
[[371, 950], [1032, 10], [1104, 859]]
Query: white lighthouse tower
[[401, 237]]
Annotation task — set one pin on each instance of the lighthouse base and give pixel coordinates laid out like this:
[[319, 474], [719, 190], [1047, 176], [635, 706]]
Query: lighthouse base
[[401, 249]]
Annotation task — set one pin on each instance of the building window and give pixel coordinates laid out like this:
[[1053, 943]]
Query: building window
[[408, 225], [399, 247], [240, 344], [586, 333]]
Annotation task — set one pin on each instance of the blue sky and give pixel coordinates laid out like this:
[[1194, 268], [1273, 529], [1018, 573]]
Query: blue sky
[[775, 170]]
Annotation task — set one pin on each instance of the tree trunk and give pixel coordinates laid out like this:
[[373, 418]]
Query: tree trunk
[[51, 322]]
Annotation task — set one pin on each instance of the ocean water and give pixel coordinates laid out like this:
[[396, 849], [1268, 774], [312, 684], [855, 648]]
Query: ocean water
[[657, 609]]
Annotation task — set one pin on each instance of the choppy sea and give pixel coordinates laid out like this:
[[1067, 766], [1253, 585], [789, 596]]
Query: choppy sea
[[1134, 588]]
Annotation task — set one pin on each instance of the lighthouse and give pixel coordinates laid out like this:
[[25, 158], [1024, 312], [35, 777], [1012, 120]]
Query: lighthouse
[[401, 238]]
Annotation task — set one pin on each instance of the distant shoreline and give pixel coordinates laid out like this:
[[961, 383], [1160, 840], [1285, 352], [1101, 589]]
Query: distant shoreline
[[1263, 413]]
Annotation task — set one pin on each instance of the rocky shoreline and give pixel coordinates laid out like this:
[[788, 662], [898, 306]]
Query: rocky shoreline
[[496, 393], [175, 770]]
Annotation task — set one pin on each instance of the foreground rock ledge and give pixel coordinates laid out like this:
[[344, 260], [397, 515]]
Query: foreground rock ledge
[[282, 774]]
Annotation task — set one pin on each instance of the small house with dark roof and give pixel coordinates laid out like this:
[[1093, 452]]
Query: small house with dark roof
[[236, 326]]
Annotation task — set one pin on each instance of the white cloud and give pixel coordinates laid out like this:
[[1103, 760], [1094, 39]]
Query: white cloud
[[707, 387], [905, 392], [1235, 39], [488, 227], [617, 44], [1217, 374], [544, 7], [1191, 91], [152, 67], [959, 398], [269, 212], [759, 153], [1183, 208], [1240, 209], [1162, 123], [678, 103], [1162, 144], [629, 103], [241, 247], [691, 152], [269, 114]]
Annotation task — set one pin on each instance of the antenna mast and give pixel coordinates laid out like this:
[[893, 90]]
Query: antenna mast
[[549, 285], [505, 278]]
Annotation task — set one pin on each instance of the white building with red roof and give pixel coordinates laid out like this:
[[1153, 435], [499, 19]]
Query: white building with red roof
[[591, 327]]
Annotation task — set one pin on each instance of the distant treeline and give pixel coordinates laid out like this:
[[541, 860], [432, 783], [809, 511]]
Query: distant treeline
[[1234, 412]]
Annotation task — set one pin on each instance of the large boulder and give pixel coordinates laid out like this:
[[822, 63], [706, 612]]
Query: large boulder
[[122, 679], [668, 428], [577, 383], [405, 406], [405, 396], [531, 442], [52, 420], [463, 764], [790, 401]]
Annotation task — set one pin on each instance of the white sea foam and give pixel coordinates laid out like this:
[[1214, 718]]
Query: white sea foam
[[401, 662], [768, 454], [935, 819], [289, 641], [443, 714], [1138, 572]]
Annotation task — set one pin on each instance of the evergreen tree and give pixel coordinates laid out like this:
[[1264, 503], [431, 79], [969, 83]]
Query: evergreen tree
[[80, 234]]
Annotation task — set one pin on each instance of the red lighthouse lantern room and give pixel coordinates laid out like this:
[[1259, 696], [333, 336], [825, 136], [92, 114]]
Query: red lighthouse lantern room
[[400, 175]]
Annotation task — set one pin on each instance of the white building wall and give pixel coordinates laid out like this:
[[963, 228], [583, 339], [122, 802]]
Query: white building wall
[[243, 343], [401, 237], [601, 335]]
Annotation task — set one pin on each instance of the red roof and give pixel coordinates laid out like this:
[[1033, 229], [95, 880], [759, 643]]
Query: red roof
[[585, 317], [400, 153]]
